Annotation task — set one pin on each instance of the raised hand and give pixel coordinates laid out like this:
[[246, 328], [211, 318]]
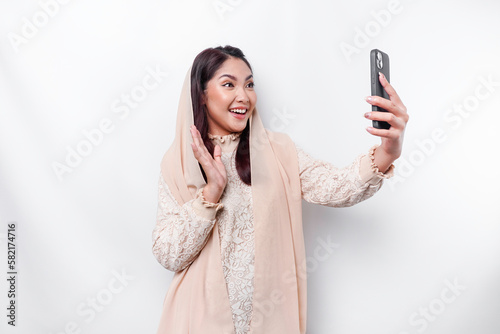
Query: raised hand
[[213, 167], [397, 116]]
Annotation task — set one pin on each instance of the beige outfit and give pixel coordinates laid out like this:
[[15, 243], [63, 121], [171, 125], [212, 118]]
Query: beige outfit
[[182, 231]]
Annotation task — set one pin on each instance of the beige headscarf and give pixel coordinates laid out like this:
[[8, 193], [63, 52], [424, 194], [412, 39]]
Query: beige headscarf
[[197, 301]]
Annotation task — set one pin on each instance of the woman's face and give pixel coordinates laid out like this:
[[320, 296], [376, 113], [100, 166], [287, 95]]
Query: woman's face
[[230, 98]]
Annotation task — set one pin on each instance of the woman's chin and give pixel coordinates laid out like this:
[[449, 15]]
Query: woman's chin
[[237, 129], [238, 125]]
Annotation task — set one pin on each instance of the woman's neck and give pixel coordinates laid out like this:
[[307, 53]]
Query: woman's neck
[[227, 143]]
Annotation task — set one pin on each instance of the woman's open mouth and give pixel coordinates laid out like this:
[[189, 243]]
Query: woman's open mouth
[[238, 113]]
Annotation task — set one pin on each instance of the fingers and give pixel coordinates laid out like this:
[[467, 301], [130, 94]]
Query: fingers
[[197, 140], [388, 105], [378, 132], [213, 166], [393, 104], [396, 116], [217, 153], [397, 124], [393, 120], [390, 134], [199, 149], [389, 89]]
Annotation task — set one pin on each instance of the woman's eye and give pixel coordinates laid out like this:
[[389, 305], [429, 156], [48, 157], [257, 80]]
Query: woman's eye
[[227, 84], [251, 85]]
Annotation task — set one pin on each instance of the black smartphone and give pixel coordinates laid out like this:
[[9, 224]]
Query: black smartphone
[[379, 62]]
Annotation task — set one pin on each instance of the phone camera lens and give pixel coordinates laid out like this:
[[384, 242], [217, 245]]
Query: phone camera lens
[[380, 64]]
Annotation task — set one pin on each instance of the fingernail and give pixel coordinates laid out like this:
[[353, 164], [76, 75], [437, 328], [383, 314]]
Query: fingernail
[[381, 74], [368, 99], [367, 115]]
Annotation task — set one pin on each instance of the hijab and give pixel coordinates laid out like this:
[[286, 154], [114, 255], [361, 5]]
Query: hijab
[[197, 300]]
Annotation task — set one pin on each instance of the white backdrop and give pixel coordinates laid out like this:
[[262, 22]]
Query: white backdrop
[[88, 98]]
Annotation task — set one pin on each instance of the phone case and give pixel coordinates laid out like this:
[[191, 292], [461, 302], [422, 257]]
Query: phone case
[[379, 62]]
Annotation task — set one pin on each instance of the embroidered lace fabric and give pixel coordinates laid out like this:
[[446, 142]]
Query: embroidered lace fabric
[[181, 232], [237, 244]]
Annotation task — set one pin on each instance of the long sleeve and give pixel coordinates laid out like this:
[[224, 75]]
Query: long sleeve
[[322, 183], [181, 232]]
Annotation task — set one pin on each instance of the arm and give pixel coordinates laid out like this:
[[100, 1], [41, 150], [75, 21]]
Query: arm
[[322, 183], [181, 232]]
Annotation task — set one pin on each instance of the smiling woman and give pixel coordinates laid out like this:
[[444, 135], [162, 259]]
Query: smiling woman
[[229, 220], [230, 99], [222, 87]]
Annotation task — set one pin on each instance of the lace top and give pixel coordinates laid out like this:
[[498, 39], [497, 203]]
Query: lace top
[[181, 232]]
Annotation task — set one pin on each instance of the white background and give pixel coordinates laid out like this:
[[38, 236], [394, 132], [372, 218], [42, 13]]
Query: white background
[[436, 223]]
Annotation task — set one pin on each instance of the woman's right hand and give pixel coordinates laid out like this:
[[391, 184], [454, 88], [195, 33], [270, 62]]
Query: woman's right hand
[[213, 167]]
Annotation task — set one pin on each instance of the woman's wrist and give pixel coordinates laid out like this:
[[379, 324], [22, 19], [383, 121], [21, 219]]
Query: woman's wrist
[[382, 159], [210, 195], [208, 203]]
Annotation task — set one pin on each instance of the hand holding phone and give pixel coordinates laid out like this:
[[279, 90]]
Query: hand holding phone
[[379, 62]]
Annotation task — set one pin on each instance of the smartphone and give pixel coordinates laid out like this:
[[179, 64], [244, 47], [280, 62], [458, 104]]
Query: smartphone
[[379, 62]]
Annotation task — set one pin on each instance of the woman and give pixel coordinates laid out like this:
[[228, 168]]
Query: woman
[[229, 215]]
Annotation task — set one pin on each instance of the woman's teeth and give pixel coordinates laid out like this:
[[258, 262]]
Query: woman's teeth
[[239, 111]]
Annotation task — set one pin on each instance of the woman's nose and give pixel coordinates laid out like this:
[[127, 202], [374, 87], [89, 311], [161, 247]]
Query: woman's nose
[[241, 95]]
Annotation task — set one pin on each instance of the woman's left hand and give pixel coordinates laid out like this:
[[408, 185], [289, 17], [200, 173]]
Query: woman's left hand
[[397, 117]]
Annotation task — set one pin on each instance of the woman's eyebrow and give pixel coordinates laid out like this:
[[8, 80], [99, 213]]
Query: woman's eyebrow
[[232, 77]]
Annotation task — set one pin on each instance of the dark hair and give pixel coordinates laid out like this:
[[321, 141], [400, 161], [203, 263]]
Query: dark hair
[[203, 69]]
